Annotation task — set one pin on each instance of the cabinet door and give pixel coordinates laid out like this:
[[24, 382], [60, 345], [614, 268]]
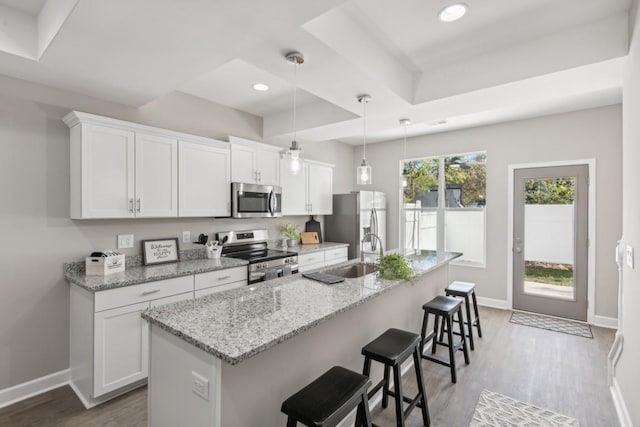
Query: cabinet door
[[268, 167], [294, 190], [156, 176], [121, 348], [108, 168], [243, 164], [320, 189], [204, 180]]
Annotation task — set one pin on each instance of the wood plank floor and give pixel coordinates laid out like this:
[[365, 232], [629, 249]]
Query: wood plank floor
[[563, 373]]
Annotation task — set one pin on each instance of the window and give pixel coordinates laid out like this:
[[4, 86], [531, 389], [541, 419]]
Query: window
[[444, 205]]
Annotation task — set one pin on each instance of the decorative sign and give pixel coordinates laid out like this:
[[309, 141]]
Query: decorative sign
[[160, 251]]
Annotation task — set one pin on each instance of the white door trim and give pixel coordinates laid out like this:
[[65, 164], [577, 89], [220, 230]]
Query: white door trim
[[591, 253]]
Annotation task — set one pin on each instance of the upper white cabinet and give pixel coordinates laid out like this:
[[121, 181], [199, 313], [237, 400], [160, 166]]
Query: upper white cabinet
[[254, 163], [127, 170], [204, 179], [310, 191], [156, 176]]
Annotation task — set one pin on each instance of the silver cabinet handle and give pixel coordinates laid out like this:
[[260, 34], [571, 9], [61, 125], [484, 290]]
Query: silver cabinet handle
[[150, 291], [130, 205], [224, 277], [138, 204], [259, 176]]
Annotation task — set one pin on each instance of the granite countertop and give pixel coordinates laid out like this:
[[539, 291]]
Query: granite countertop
[[142, 274], [238, 324], [307, 249]]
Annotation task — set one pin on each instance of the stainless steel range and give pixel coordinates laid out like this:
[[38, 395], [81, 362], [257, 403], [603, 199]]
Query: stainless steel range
[[264, 263]]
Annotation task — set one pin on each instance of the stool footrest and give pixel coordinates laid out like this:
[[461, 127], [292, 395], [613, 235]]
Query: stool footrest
[[433, 359], [415, 401], [376, 389]]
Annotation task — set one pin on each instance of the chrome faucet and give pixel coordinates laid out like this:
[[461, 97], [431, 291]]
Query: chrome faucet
[[364, 239]]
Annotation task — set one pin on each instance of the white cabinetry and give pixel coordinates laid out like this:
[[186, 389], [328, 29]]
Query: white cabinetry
[[156, 176], [204, 179], [322, 258], [310, 192], [221, 280], [254, 163], [121, 169]]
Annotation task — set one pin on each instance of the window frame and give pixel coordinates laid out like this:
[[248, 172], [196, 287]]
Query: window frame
[[441, 209]]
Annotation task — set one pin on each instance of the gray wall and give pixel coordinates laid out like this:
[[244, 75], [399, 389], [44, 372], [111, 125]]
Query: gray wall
[[38, 236], [627, 372], [594, 133]]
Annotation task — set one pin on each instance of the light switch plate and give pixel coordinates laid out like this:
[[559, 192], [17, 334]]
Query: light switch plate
[[629, 256], [186, 237], [200, 385], [125, 241]]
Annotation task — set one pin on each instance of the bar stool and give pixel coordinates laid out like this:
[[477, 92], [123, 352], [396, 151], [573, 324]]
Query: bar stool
[[392, 348], [444, 308], [464, 290], [329, 399]]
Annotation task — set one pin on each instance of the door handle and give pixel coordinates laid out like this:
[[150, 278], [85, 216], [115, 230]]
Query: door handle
[[130, 205], [150, 291], [138, 204]]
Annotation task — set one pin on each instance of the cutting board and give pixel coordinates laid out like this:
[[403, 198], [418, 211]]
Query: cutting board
[[309, 238], [314, 226]]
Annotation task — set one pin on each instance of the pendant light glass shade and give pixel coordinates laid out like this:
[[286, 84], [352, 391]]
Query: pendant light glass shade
[[404, 178], [364, 172], [294, 154]]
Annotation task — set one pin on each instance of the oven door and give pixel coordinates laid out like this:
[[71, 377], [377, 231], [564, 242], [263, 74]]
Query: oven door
[[270, 273], [255, 201]]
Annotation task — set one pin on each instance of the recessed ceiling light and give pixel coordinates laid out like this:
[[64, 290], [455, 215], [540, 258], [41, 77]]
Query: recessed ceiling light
[[453, 12], [260, 87]]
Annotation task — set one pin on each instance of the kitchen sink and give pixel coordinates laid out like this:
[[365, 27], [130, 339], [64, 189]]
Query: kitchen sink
[[354, 270]]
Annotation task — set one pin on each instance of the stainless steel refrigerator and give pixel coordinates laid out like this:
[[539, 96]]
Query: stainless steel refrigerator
[[355, 215]]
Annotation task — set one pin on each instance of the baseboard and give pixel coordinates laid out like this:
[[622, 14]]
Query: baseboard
[[494, 303], [621, 407], [605, 322], [23, 391]]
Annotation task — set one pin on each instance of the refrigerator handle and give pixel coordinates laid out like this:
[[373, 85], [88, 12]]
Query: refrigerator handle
[[374, 228]]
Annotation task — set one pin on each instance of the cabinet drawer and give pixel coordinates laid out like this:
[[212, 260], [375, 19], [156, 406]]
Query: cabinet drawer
[[309, 267], [336, 254], [215, 289], [168, 300], [220, 277], [312, 258], [143, 292]]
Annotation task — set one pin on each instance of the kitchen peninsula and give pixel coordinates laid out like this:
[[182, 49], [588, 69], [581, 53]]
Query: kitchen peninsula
[[230, 359]]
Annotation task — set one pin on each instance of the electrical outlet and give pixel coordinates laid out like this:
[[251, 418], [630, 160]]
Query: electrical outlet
[[186, 237], [200, 385], [125, 241], [629, 256]]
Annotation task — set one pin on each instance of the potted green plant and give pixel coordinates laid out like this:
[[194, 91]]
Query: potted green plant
[[291, 233], [395, 267]]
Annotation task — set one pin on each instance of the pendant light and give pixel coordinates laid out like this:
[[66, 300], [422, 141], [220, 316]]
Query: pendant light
[[294, 153], [405, 175], [364, 170]]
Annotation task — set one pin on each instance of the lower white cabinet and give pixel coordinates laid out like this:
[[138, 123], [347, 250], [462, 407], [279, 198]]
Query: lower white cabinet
[[322, 258], [121, 348], [109, 340]]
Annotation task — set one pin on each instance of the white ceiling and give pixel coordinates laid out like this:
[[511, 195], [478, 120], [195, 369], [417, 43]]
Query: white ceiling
[[505, 60]]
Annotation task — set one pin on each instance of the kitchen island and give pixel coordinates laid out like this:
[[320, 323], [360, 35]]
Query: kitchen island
[[230, 359]]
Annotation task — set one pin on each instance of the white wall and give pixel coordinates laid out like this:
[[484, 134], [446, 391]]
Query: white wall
[[594, 133], [627, 371], [38, 236]]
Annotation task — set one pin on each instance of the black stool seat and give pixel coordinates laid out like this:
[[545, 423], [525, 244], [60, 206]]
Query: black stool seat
[[391, 346], [328, 399], [465, 290], [442, 305], [444, 309], [460, 289]]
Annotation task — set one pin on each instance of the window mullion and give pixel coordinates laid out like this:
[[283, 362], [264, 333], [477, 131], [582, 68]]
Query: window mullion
[[441, 203]]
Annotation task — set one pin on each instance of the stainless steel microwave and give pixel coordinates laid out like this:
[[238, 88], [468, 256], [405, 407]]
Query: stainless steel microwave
[[255, 201]]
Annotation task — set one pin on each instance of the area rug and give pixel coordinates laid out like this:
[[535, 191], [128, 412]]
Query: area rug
[[496, 410], [552, 324]]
